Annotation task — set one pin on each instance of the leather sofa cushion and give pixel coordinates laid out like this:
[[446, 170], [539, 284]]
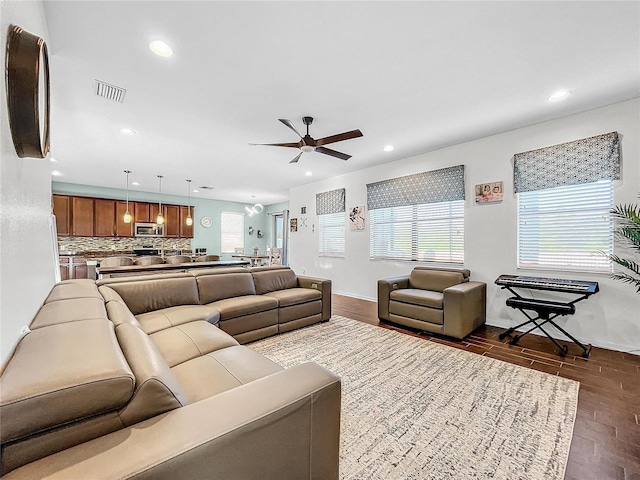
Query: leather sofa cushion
[[426, 298], [119, 313], [69, 310], [170, 317], [246, 305], [109, 294], [157, 390], [190, 340], [63, 373], [417, 312], [77, 288], [301, 310], [270, 280], [217, 286], [146, 294], [295, 296], [222, 370], [435, 280]]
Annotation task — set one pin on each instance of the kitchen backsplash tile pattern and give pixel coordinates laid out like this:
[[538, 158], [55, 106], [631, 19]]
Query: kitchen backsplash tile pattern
[[80, 245]]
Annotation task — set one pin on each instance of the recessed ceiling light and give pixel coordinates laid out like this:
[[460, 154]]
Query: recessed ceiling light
[[388, 148], [56, 173], [160, 48], [127, 131], [559, 95], [196, 191], [53, 160], [308, 174], [135, 183]]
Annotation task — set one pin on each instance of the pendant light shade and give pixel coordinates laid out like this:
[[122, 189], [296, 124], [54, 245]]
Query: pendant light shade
[[189, 220], [127, 216], [160, 217]]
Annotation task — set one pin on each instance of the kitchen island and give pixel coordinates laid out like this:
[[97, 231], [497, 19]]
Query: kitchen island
[[110, 272]]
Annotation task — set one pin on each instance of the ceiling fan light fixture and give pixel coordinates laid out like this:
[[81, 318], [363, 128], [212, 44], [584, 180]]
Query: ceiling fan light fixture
[[307, 148]]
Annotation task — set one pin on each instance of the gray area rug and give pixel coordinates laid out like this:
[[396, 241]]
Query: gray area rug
[[414, 409]]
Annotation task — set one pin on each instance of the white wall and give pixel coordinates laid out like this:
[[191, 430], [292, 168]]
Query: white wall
[[27, 270], [609, 319]]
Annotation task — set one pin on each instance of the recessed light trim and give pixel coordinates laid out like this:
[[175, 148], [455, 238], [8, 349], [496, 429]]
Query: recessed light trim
[[559, 95], [53, 160], [196, 191], [127, 131], [388, 148], [308, 173], [160, 48], [56, 173], [135, 183]]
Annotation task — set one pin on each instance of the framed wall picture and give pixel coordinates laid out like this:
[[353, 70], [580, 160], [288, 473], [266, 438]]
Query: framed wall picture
[[293, 225], [489, 192], [356, 218]]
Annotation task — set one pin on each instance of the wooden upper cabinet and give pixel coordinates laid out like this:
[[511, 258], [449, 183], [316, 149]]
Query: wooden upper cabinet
[[62, 211], [104, 217], [143, 212], [171, 220], [82, 217], [154, 208], [124, 229], [186, 231]]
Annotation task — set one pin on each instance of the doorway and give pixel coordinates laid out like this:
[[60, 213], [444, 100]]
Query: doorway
[[280, 237]]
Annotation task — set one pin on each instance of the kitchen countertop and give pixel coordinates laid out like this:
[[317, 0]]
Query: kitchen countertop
[[107, 272]]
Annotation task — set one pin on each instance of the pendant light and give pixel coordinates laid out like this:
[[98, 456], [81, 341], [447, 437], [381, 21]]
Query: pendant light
[[160, 217], [127, 215], [189, 220]]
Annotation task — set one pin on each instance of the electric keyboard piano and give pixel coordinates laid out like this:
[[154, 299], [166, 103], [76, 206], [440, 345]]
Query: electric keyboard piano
[[546, 310]]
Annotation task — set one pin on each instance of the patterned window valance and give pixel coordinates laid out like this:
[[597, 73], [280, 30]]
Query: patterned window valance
[[581, 161], [442, 185], [330, 202]]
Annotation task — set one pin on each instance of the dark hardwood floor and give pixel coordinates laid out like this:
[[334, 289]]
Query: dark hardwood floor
[[606, 437]]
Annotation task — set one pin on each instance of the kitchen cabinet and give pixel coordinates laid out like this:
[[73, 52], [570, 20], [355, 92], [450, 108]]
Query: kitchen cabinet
[[62, 211], [153, 212], [171, 220], [124, 229], [143, 212], [104, 217], [186, 231], [82, 224]]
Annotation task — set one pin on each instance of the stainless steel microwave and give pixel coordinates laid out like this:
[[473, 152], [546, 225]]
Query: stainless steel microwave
[[149, 230]]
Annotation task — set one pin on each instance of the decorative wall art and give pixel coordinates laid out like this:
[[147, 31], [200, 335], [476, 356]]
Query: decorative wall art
[[489, 192], [303, 210], [293, 225], [356, 218]]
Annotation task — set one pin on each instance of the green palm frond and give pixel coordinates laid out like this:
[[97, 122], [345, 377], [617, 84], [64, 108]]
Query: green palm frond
[[630, 213], [627, 217], [628, 279], [628, 264]]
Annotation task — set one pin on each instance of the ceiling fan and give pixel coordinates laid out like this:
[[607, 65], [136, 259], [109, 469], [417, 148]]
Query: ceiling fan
[[308, 144]]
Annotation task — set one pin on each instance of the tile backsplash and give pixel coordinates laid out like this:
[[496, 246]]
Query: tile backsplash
[[81, 245]]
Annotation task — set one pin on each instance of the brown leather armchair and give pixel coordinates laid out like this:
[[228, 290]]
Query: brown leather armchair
[[435, 300]]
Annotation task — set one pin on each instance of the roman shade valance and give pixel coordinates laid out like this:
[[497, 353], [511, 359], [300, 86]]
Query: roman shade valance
[[443, 185], [586, 160], [330, 202]]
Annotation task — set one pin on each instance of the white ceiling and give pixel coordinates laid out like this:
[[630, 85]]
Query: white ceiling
[[417, 75]]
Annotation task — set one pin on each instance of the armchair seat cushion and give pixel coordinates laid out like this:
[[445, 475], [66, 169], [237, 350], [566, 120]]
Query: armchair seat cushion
[[414, 296], [295, 296]]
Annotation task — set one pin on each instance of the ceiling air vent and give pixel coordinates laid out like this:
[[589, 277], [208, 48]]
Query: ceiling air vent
[[205, 187], [110, 92]]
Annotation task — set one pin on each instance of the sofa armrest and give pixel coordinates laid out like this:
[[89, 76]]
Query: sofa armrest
[[385, 286], [464, 308], [283, 426], [322, 284]]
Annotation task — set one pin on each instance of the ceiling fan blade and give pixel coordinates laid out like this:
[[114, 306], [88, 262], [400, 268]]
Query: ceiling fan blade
[[295, 160], [290, 125], [333, 153], [339, 137], [294, 145]]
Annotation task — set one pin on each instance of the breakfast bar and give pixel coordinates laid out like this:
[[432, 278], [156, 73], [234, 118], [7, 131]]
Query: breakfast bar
[[122, 271]]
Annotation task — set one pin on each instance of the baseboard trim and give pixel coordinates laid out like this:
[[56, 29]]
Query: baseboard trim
[[353, 295]]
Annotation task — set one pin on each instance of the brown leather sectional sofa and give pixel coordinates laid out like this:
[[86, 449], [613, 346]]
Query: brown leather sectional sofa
[[132, 378]]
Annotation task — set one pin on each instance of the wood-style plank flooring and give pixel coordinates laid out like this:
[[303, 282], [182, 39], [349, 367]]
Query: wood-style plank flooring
[[606, 437]]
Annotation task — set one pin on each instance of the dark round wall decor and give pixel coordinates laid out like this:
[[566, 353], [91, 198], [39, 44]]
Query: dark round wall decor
[[27, 79]]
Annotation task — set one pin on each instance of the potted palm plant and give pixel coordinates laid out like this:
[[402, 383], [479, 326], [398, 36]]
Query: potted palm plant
[[628, 230]]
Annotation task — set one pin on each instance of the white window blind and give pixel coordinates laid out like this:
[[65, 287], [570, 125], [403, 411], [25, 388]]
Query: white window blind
[[232, 231], [566, 228], [431, 232], [331, 232]]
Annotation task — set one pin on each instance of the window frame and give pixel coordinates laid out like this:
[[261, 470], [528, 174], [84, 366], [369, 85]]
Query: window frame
[[240, 232], [323, 229]]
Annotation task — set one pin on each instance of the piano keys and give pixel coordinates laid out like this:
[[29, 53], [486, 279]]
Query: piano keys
[[549, 284]]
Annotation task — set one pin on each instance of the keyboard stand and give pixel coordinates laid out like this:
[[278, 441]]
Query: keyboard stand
[[546, 312]]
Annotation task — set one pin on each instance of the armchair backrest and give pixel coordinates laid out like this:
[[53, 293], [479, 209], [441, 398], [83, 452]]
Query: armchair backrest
[[435, 280]]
